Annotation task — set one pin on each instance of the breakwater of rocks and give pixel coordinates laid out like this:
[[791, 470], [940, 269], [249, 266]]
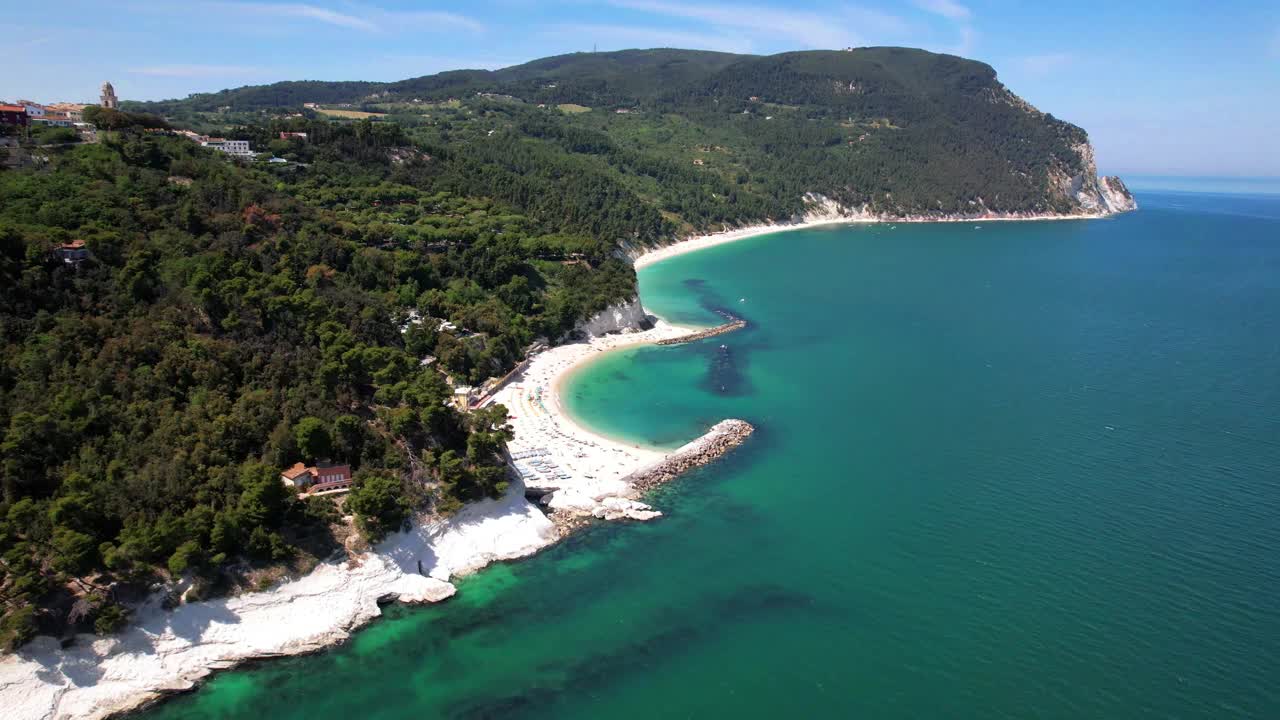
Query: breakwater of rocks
[[736, 324], [720, 439]]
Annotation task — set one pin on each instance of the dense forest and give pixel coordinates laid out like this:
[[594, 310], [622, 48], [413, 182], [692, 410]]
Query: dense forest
[[179, 326], [234, 318], [899, 130]]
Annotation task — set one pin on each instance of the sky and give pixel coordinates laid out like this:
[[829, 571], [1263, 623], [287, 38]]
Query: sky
[[1166, 88]]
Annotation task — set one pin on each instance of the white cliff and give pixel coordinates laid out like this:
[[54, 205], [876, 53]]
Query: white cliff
[[1115, 195], [622, 317], [1093, 195]]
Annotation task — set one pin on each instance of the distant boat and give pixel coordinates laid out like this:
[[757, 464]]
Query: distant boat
[[742, 299]]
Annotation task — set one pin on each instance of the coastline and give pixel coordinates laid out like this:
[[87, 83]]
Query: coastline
[[702, 242], [165, 652], [827, 216]]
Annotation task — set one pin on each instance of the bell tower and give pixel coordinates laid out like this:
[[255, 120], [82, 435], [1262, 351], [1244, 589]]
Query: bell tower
[[109, 100]]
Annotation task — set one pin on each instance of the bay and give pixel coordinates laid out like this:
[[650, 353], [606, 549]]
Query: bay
[[1002, 470]]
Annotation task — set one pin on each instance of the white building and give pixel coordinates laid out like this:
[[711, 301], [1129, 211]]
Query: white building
[[34, 110], [236, 148]]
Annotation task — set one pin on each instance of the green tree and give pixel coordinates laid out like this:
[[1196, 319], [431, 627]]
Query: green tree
[[312, 438], [377, 499], [348, 437], [17, 627], [185, 557], [76, 552], [262, 500], [111, 618]]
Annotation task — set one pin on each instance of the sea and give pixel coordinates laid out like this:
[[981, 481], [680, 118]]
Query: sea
[[1001, 470]]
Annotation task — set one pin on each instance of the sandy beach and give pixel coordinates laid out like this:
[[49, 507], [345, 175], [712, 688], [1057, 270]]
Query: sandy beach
[[703, 242], [583, 470], [579, 472], [824, 212], [166, 651]]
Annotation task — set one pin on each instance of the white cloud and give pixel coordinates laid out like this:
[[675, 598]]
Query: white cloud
[[957, 14], [392, 20], [301, 11], [365, 18], [195, 70], [946, 8], [810, 30]]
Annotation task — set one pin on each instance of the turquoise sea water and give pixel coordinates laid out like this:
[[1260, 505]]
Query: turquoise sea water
[[1030, 470]]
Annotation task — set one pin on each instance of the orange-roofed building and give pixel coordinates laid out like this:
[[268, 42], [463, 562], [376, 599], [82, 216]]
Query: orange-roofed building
[[13, 115], [73, 252], [319, 478]]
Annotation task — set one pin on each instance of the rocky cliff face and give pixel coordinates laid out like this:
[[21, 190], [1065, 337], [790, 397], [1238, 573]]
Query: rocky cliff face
[[1116, 196], [622, 317], [1089, 194]]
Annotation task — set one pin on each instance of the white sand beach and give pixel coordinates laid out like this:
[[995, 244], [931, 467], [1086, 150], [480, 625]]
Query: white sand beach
[[702, 242], [825, 212], [166, 651], [582, 472]]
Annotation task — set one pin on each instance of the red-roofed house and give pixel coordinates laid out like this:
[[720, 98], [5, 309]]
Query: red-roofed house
[[73, 252], [322, 477], [13, 115]]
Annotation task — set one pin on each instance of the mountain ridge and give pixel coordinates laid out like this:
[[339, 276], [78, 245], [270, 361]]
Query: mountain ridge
[[899, 131]]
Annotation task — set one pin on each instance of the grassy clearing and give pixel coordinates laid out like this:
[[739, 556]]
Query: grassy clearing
[[573, 109], [350, 114]]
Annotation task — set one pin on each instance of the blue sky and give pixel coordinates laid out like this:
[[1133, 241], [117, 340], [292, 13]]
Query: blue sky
[[1163, 88]]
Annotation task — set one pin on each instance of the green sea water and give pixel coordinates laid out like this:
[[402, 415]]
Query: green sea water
[[1022, 470]]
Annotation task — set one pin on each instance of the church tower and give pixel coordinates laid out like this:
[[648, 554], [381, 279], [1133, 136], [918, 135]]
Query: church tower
[[109, 96]]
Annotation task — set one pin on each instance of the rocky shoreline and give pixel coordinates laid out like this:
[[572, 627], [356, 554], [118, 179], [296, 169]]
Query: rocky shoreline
[[720, 439], [736, 324]]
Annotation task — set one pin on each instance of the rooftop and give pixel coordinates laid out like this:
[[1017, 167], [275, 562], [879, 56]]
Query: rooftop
[[295, 471]]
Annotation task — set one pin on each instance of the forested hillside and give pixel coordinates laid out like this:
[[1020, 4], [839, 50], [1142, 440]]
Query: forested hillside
[[895, 130], [232, 319]]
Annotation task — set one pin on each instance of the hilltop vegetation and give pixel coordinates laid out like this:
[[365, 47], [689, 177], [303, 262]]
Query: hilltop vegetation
[[900, 131]]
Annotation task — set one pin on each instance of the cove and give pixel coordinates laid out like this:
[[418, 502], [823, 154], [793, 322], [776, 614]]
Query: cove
[[1009, 471]]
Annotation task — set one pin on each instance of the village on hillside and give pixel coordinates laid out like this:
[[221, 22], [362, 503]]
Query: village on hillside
[[20, 117]]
